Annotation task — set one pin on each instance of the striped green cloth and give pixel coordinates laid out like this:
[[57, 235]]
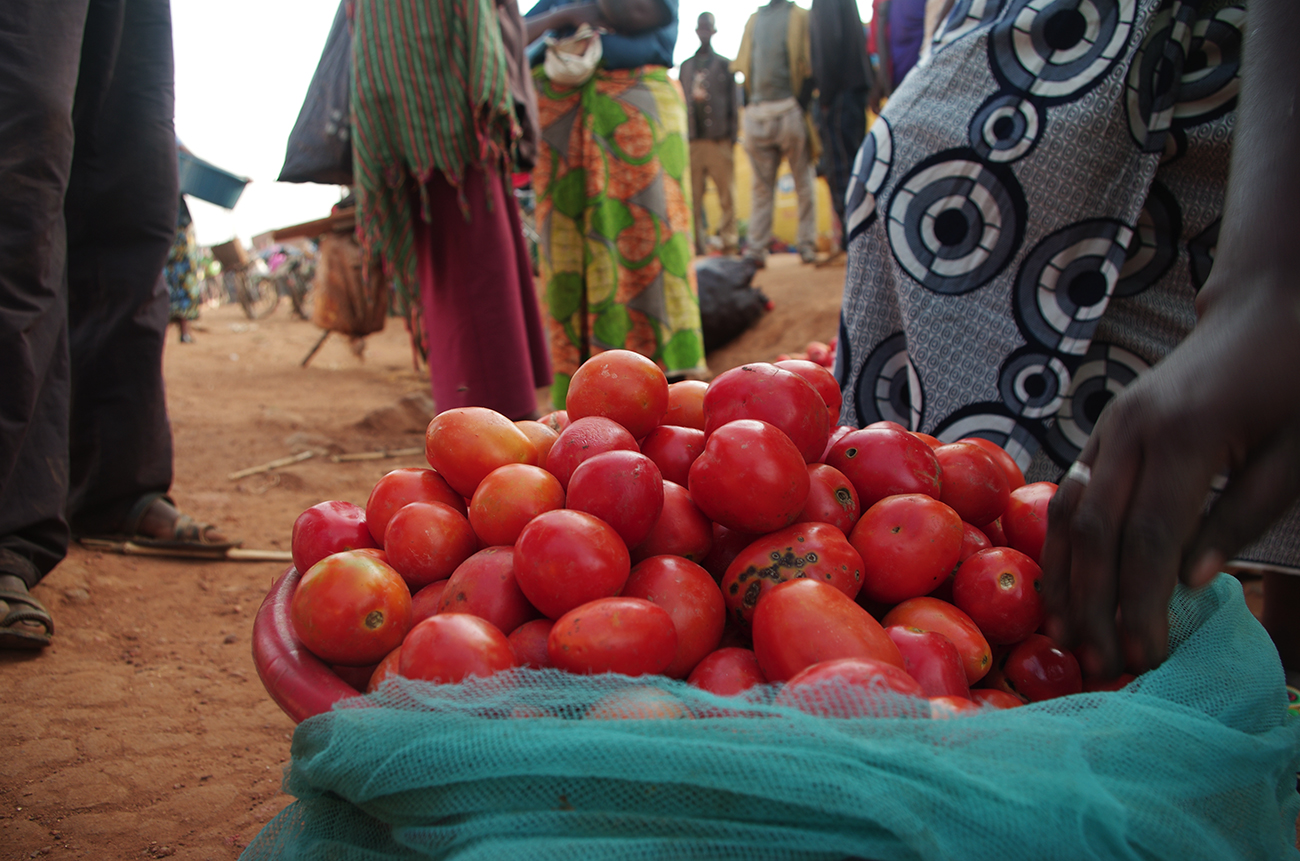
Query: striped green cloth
[[430, 94]]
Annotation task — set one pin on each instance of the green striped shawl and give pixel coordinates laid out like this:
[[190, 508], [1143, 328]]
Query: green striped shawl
[[430, 94]]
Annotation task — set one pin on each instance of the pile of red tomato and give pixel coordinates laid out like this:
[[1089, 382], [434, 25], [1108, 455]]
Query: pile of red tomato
[[818, 352], [729, 534]]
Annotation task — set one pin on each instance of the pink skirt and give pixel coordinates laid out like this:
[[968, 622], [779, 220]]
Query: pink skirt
[[486, 344]]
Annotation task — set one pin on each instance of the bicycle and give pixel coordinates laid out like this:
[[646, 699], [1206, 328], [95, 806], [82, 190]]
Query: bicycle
[[293, 275], [247, 279]]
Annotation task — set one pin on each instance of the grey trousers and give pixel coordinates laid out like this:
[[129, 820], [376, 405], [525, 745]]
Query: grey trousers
[[773, 131]]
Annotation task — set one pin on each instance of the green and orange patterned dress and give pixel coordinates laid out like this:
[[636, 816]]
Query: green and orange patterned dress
[[614, 217]]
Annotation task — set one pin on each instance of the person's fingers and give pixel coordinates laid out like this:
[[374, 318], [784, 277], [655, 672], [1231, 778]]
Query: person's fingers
[[1094, 534], [1055, 561], [1258, 492], [1163, 514]]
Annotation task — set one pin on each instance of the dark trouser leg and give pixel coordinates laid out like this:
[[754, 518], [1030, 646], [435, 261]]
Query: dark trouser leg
[[40, 48], [121, 217], [843, 125]]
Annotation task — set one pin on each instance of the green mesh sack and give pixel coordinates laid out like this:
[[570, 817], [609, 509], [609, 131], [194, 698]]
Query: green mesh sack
[[1196, 759]]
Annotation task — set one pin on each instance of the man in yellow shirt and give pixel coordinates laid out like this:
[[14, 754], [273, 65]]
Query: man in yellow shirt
[[776, 59]]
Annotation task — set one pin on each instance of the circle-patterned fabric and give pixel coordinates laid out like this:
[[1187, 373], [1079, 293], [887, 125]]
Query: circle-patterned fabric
[[1031, 217]]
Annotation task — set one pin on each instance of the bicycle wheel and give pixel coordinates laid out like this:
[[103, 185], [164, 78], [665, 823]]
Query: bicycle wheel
[[258, 295], [301, 294]]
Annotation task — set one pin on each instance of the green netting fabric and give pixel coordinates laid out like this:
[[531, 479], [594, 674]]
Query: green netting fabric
[[1197, 759]]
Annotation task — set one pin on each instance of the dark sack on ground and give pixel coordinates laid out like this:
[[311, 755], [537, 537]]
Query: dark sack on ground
[[320, 145], [728, 304]]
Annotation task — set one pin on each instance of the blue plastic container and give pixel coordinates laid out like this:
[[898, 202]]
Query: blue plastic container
[[209, 182]]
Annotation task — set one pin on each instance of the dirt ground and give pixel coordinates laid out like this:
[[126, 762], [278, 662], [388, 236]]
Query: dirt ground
[[144, 731]]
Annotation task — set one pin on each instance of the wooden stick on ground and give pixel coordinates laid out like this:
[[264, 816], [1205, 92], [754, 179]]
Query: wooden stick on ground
[[307, 358], [232, 554], [275, 464], [377, 455]]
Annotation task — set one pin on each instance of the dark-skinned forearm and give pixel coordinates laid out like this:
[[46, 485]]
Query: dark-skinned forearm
[[1261, 228]]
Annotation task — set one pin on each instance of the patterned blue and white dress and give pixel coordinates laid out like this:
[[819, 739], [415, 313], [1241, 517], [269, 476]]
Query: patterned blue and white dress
[[1030, 218]]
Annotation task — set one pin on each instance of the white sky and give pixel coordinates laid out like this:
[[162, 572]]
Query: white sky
[[242, 70]]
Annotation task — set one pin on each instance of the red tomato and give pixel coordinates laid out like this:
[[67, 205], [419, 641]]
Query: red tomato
[[374, 553], [931, 659], [944, 708], [832, 498], [425, 541], [1025, 520], [882, 462], [931, 614], [1005, 462], [484, 586], [510, 496], [673, 449], [995, 679], [451, 647], [1038, 669], [384, 670], [973, 540], [631, 636], [638, 703], [529, 643], [849, 688], [326, 528], [822, 353], [541, 436], [909, 545], [972, 483], [767, 393], [750, 477], [727, 672], [356, 677], [400, 488], [816, 551], [837, 433], [686, 404], [466, 443], [424, 603], [994, 698], [820, 379], [691, 598], [585, 438], [351, 609], [932, 442], [727, 544], [623, 488], [563, 559], [999, 589], [681, 530], [805, 622], [621, 385], [556, 420], [994, 533]]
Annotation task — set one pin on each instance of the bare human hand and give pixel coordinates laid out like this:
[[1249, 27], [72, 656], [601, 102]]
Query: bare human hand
[[572, 15], [1227, 398]]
